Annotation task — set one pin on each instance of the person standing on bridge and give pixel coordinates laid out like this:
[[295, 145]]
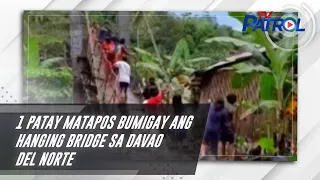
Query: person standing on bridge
[[123, 77], [104, 33], [121, 49]]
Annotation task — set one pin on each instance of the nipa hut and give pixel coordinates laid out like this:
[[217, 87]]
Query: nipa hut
[[216, 81]]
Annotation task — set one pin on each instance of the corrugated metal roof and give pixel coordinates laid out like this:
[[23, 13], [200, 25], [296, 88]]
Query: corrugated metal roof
[[229, 61]]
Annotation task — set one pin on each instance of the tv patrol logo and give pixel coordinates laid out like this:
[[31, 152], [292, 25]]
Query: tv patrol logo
[[296, 22], [288, 23]]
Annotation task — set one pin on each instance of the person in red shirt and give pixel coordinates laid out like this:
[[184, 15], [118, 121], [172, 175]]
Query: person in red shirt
[[108, 47], [153, 104], [155, 96]]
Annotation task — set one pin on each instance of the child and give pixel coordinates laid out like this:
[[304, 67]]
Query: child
[[121, 49], [108, 47], [145, 91], [155, 96], [123, 77], [103, 34]]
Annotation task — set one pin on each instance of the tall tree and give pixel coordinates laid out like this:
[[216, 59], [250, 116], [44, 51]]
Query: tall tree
[[76, 49], [123, 23], [83, 85]]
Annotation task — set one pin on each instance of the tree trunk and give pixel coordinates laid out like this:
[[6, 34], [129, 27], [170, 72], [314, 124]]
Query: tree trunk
[[151, 36], [123, 23], [75, 50], [83, 85], [138, 40]]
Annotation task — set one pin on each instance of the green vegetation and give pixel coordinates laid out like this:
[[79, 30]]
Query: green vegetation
[[169, 48], [275, 78], [162, 52], [49, 79], [48, 76]]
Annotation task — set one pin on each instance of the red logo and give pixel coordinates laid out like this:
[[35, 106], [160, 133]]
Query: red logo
[[264, 14]]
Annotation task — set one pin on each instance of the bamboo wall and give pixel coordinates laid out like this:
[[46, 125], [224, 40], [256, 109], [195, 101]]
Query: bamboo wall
[[219, 84]]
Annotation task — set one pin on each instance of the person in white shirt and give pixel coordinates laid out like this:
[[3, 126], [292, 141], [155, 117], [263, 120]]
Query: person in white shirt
[[123, 77]]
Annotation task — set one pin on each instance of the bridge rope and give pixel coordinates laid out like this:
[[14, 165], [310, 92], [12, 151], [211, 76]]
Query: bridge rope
[[109, 79]]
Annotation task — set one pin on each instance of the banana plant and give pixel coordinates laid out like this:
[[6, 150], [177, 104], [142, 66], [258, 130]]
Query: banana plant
[[178, 65], [173, 69], [274, 76], [47, 82]]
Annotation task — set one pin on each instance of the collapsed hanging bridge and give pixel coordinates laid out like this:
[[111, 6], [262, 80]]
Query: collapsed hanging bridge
[[94, 76]]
